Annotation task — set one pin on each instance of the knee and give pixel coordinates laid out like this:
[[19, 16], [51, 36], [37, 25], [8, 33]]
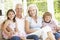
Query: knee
[[35, 37], [15, 38], [57, 36]]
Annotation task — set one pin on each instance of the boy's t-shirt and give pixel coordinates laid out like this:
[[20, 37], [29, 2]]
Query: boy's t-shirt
[[51, 24]]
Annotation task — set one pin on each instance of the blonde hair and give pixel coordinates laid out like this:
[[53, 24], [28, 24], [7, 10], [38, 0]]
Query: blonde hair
[[32, 5], [17, 5]]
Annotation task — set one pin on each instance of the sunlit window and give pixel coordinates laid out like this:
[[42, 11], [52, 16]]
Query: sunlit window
[[57, 9], [41, 4]]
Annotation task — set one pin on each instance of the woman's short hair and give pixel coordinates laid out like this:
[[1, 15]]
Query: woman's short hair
[[32, 5]]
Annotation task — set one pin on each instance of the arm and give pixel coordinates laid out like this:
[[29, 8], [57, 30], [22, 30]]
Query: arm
[[16, 29], [27, 29], [58, 29], [5, 27]]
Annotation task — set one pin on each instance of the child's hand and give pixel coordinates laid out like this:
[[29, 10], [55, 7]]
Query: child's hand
[[23, 38], [58, 29], [12, 32], [9, 35], [55, 29]]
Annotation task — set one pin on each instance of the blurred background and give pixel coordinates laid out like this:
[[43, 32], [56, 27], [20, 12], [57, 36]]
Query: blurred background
[[52, 6]]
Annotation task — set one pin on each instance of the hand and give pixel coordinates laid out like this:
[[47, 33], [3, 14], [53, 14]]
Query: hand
[[58, 28], [9, 35], [12, 32], [23, 38]]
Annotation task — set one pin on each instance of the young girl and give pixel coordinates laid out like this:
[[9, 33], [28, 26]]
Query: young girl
[[47, 21], [9, 27]]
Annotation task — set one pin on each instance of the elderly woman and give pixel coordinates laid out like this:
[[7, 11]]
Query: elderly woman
[[33, 24]]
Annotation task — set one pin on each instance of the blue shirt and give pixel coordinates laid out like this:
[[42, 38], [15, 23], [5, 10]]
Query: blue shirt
[[33, 24]]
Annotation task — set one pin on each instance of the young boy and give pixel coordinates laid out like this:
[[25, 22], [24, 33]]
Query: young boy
[[47, 21]]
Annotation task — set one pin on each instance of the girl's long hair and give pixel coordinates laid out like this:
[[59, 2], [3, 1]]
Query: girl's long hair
[[11, 10]]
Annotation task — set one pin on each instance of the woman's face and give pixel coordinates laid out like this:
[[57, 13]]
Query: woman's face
[[47, 18], [32, 11], [11, 15]]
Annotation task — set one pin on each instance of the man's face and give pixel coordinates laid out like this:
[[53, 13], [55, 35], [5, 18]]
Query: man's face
[[18, 9]]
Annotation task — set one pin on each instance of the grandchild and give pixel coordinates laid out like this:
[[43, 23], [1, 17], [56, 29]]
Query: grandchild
[[47, 21], [9, 27]]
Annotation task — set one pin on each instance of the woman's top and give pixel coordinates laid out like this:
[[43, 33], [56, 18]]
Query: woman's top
[[33, 24]]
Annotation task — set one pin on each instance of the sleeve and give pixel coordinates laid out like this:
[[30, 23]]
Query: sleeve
[[28, 19], [55, 23], [40, 21]]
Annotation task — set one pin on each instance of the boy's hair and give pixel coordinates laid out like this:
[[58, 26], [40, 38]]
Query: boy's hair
[[47, 14]]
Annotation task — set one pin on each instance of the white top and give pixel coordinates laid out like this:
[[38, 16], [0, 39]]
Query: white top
[[21, 25], [12, 26], [33, 24]]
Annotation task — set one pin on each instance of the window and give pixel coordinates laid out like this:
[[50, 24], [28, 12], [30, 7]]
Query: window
[[41, 4], [57, 9]]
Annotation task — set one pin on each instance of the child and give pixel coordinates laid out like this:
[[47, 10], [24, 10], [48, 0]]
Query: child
[[47, 21], [9, 27]]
